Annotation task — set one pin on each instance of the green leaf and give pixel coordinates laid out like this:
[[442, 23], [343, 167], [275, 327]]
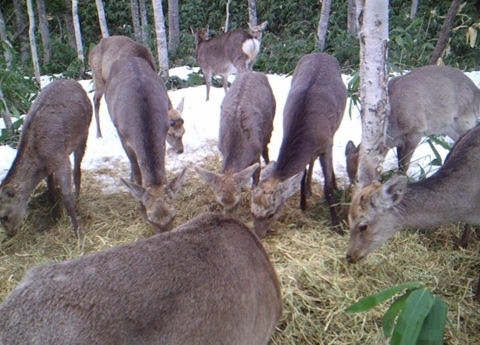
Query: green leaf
[[411, 318], [371, 301], [433, 327], [438, 159], [392, 312]]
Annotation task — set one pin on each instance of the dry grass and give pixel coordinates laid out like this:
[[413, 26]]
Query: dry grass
[[317, 283]]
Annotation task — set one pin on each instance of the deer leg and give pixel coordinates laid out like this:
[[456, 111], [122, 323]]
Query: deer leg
[[135, 172], [97, 96], [77, 171], [265, 155], [326, 161], [308, 186], [64, 176], [256, 176], [303, 192], [405, 151], [208, 82], [53, 196], [225, 82]]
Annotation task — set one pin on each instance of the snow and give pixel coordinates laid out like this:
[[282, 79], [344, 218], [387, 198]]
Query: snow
[[202, 120]]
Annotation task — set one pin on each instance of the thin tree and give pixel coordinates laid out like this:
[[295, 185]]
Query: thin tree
[[446, 29], [161, 38], [413, 9], [21, 25], [144, 20], [7, 46], [78, 34], [33, 43], [323, 24], [373, 35], [102, 18], [352, 17], [44, 31], [227, 19], [67, 17], [173, 27], [252, 13], [137, 30]]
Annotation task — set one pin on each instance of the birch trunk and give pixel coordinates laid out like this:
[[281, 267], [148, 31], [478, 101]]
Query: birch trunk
[[102, 19], [45, 33], [161, 38], [252, 13], [323, 24], [78, 34], [173, 27], [33, 43], [352, 17], [228, 15], [413, 9], [144, 20], [21, 25], [137, 30], [373, 35], [3, 36]]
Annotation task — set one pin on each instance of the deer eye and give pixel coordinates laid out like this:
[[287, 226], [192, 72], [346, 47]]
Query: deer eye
[[5, 218], [363, 228], [270, 216], [172, 123]]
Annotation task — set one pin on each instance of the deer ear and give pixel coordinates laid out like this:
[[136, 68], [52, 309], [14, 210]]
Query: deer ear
[[8, 191], [392, 191], [180, 105], [192, 30], [291, 185], [242, 177], [137, 190], [207, 175], [267, 171], [263, 26], [350, 149], [177, 182]]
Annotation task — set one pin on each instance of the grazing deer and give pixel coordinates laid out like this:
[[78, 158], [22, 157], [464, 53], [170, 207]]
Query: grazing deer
[[56, 125], [209, 281], [451, 194], [428, 100], [246, 124], [138, 105], [101, 58], [232, 52], [312, 114]]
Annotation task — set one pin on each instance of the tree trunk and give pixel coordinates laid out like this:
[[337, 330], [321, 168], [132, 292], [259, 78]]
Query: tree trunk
[[373, 35], [45, 33], [413, 9], [67, 17], [33, 43], [352, 17], [4, 38], [446, 28], [228, 15], [161, 38], [323, 24], [22, 25], [173, 27], [252, 13], [144, 20], [7, 119], [102, 18], [137, 30], [78, 35]]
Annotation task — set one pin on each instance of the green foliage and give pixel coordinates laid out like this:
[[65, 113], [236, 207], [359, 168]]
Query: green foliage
[[416, 317]]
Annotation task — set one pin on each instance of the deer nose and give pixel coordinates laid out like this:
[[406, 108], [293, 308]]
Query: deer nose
[[179, 151], [350, 259]]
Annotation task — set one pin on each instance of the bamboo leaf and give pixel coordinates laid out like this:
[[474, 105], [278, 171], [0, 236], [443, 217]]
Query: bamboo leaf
[[391, 314], [434, 325]]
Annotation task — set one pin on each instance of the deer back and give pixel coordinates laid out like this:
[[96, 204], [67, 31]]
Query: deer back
[[246, 125], [450, 195], [55, 126], [209, 281]]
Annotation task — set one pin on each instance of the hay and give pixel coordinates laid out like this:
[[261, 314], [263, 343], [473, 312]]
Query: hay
[[317, 283]]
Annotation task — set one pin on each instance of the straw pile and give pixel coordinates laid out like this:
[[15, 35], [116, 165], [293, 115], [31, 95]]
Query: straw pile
[[317, 283]]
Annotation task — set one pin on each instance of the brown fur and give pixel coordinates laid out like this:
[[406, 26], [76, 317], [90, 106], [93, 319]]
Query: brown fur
[[209, 281], [56, 125], [313, 112], [246, 124], [232, 52], [138, 105]]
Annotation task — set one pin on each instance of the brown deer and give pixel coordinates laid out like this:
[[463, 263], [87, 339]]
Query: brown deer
[[246, 124], [232, 52], [312, 114], [138, 105], [428, 100], [209, 281], [101, 58], [451, 194], [56, 125]]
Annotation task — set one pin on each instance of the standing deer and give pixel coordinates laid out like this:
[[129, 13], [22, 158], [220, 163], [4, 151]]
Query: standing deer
[[138, 105], [209, 281], [101, 58], [451, 194], [312, 114], [429, 100], [56, 125], [246, 124], [232, 52]]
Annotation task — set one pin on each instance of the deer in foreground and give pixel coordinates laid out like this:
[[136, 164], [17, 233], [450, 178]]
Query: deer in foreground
[[101, 58], [232, 52], [209, 281], [56, 126], [428, 100], [138, 105], [246, 125], [451, 194], [312, 114]]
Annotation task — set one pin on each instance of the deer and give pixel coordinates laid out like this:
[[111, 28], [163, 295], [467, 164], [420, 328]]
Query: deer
[[246, 125], [430, 100], [138, 104], [313, 112], [450, 195], [232, 52], [55, 127], [209, 281], [101, 58]]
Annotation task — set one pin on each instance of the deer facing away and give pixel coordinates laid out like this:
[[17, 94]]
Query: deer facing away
[[313, 112], [138, 105], [56, 126], [246, 124], [209, 281], [101, 58], [428, 100], [232, 52]]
